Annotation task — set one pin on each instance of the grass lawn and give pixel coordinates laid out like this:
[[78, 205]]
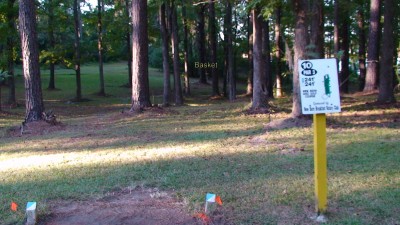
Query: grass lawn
[[203, 146]]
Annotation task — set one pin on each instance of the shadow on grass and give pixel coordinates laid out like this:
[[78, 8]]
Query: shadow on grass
[[358, 120], [256, 187]]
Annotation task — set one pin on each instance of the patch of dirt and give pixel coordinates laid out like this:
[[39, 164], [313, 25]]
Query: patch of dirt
[[291, 151], [138, 206], [36, 128], [257, 111], [152, 112], [287, 123]]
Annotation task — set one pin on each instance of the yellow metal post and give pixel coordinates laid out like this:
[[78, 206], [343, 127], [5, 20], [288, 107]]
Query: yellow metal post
[[320, 165]]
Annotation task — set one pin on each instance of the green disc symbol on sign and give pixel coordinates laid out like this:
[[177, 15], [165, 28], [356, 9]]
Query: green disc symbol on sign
[[327, 84]]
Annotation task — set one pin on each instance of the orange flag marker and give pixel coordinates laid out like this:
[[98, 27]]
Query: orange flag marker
[[203, 217], [218, 200], [14, 206]]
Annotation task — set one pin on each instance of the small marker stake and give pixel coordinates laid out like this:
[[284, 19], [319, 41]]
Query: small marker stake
[[31, 213], [210, 198]]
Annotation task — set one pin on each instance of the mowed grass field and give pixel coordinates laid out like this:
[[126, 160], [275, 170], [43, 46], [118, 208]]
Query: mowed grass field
[[263, 177]]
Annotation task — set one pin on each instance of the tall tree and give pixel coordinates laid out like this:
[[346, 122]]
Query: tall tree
[[260, 96], [249, 90], [336, 24], [345, 48], [175, 54], [213, 43], [361, 48], [186, 52], [278, 51], [30, 61], [231, 81], [140, 61], [300, 43], [373, 47], [165, 53], [317, 28], [52, 43], [100, 9], [77, 46], [386, 94], [201, 39], [11, 17], [128, 42], [267, 58]]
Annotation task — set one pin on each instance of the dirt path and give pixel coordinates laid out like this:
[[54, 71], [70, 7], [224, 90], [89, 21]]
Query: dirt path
[[139, 206]]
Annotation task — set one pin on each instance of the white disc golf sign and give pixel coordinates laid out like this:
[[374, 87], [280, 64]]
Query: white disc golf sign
[[319, 86]]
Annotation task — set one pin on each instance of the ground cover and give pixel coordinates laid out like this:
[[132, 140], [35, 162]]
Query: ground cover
[[263, 173]]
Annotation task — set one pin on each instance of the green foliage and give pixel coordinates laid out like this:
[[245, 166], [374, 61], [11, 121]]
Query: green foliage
[[155, 57], [3, 76]]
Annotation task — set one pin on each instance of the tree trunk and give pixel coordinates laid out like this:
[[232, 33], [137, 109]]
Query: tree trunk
[[213, 43], [361, 48], [396, 33], [386, 94], [317, 29], [201, 40], [52, 44], [336, 24], [140, 61], [30, 61], [100, 8], [249, 90], [231, 81], [10, 51], [0, 97], [77, 45], [345, 48], [267, 58], [279, 51], [300, 43], [259, 80], [187, 74], [175, 54], [373, 47], [128, 43], [165, 53]]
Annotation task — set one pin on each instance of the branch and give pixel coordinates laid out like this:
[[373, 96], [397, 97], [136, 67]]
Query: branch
[[205, 2]]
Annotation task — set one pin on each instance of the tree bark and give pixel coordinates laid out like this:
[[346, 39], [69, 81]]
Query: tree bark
[[187, 74], [201, 40], [386, 94], [165, 53], [11, 16], [52, 44], [128, 43], [373, 47], [213, 43], [30, 61], [345, 48], [77, 45], [175, 54], [100, 8], [336, 24], [267, 59], [278, 51], [260, 96], [300, 43], [361, 48], [231, 80], [317, 29], [249, 89], [140, 61]]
